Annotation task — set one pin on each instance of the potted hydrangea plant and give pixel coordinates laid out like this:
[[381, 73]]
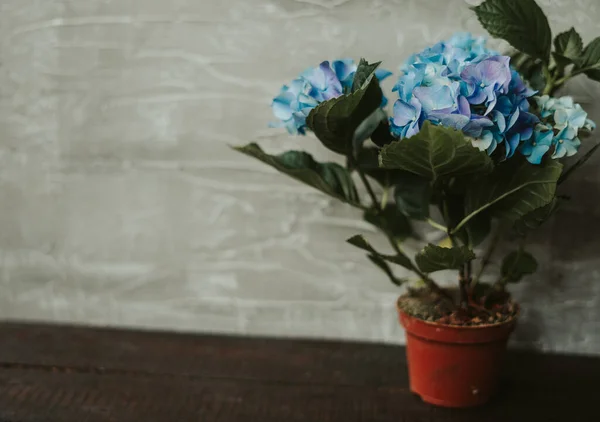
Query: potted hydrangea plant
[[476, 147]]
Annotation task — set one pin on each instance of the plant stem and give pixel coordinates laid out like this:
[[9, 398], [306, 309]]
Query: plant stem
[[487, 257], [432, 285], [575, 72], [462, 284], [549, 80], [500, 284], [384, 197], [437, 225], [463, 271]]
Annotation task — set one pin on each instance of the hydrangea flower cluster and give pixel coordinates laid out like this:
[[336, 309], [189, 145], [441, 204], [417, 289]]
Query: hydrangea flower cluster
[[313, 86], [561, 120], [462, 84]]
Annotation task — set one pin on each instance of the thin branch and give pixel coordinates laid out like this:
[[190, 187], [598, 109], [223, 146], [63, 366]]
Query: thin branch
[[432, 285], [574, 73], [549, 77], [437, 225], [462, 284], [384, 197]]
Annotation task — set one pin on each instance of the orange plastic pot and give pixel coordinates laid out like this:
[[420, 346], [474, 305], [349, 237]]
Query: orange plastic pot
[[454, 366]]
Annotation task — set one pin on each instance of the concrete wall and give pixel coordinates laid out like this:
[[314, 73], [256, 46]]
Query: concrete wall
[[121, 203]]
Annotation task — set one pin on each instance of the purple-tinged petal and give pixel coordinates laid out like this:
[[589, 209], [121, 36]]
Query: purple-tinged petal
[[413, 129], [476, 125], [344, 70], [456, 121], [404, 113], [463, 106], [478, 96]]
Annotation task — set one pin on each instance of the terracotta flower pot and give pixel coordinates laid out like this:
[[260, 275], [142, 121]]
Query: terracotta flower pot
[[454, 366]]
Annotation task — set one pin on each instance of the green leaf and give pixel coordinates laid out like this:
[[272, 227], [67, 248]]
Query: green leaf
[[532, 220], [412, 194], [590, 60], [367, 160], [513, 189], [478, 228], [363, 71], [390, 220], [520, 22], [335, 121], [330, 178], [382, 135], [360, 242], [568, 45], [380, 262], [435, 152], [518, 264], [436, 258]]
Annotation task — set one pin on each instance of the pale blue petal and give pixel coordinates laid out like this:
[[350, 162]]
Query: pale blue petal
[[560, 151], [537, 154], [435, 98], [484, 142], [455, 121], [281, 106], [589, 124], [344, 70], [476, 125], [492, 147], [512, 119], [577, 117], [382, 74], [500, 120]]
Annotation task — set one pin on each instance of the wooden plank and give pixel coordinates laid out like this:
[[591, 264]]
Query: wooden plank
[[207, 355], [50, 373], [44, 396], [306, 361]]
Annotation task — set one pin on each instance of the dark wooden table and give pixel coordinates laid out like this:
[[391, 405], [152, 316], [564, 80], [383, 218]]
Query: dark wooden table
[[76, 374]]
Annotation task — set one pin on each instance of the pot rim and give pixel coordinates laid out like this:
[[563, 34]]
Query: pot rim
[[511, 320]]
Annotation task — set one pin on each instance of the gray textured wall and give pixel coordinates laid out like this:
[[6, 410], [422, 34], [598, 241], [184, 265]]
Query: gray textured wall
[[121, 204]]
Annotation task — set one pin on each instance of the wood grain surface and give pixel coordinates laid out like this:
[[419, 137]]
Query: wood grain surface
[[77, 374]]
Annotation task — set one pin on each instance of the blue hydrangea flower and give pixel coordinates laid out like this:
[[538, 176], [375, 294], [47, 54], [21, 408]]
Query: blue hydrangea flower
[[292, 106], [561, 121], [535, 148], [324, 83], [405, 122], [462, 84], [472, 47], [315, 85], [565, 112], [513, 122], [486, 80], [566, 142]]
